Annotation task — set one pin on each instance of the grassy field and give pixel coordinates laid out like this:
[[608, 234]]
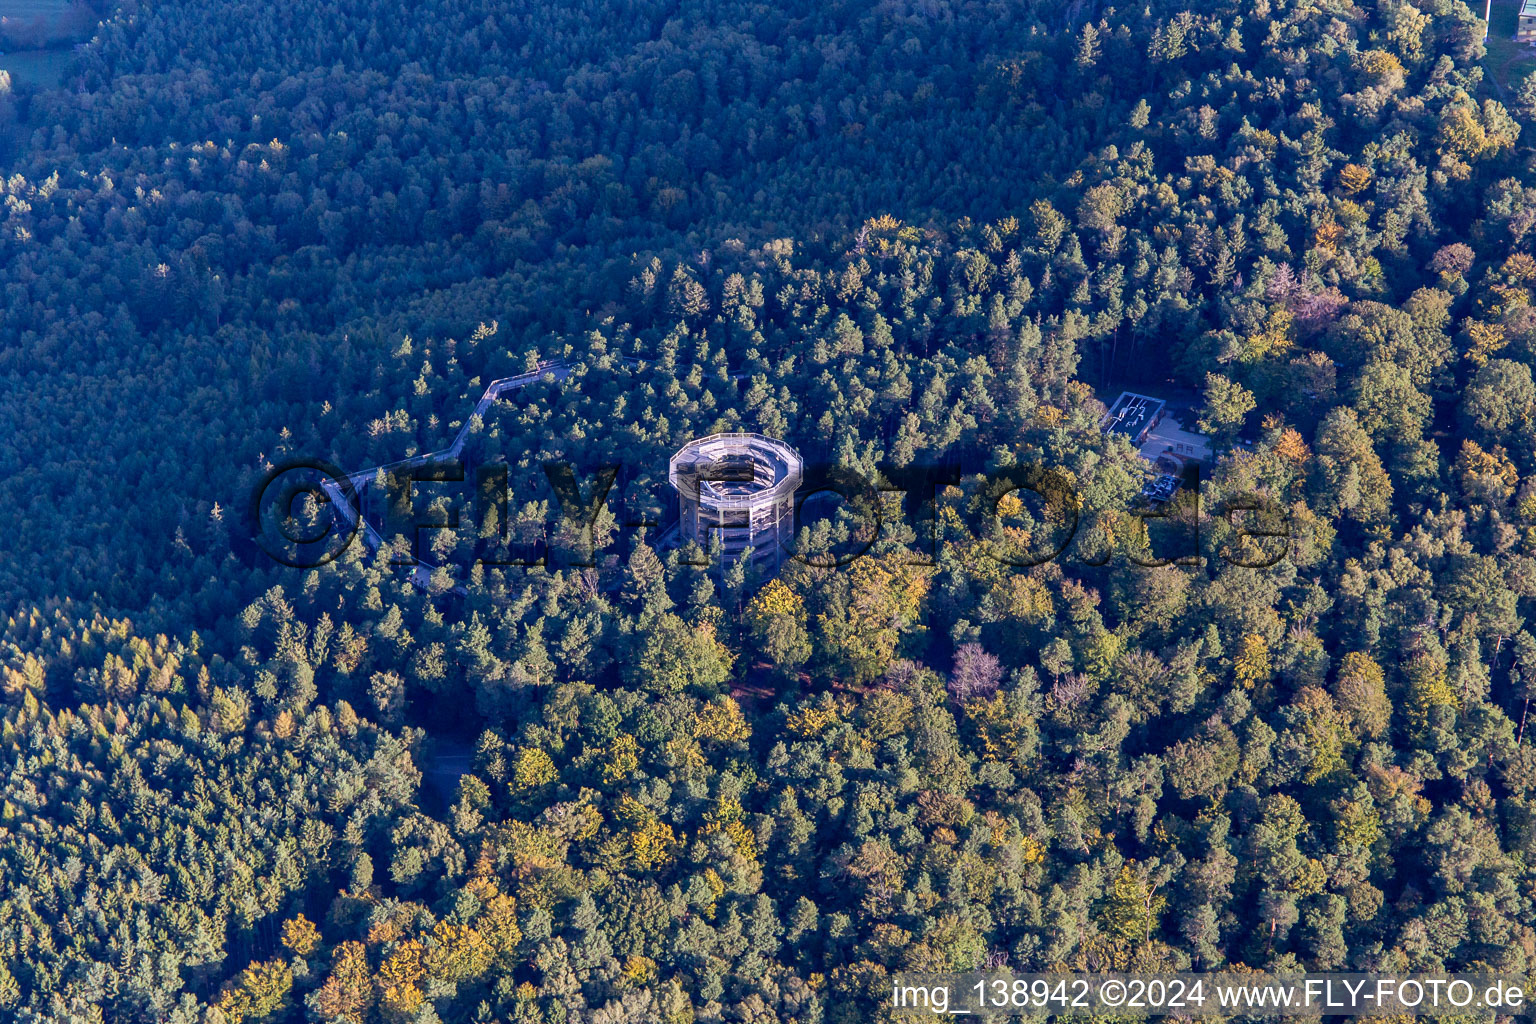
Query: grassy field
[[1507, 61], [42, 68], [34, 67]]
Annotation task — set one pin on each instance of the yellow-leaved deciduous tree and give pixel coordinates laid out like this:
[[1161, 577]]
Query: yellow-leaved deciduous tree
[[1251, 666], [687, 756], [1469, 133], [1328, 234], [714, 887], [300, 935], [259, 991], [1292, 447], [1100, 653], [873, 602], [1275, 338], [622, 757], [537, 853], [348, 989], [1000, 731], [1427, 690], [399, 977], [639, 970], [1355, 179], [1008, 537], [887, 942], [1357, 822], [459, 952], [721, 720], [813, 719], [1406, 31], [1022, 598], [1134, 904], [1501, 298], [533, 770], [498, 923], [727, 817], [776, 621], [1380, 64], [388, 927], [1483, 340], [1509, 289], [1488, 477], [645, 840]]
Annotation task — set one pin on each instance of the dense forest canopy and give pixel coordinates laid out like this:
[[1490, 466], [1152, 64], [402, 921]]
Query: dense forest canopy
[[895, 235]]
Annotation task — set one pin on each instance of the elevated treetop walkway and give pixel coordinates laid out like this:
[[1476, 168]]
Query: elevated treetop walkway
[[351, 510]]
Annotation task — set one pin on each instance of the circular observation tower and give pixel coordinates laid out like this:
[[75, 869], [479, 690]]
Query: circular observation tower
[[737, 492]]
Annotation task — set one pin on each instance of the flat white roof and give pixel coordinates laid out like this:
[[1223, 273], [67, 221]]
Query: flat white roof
[[1169, 436]]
